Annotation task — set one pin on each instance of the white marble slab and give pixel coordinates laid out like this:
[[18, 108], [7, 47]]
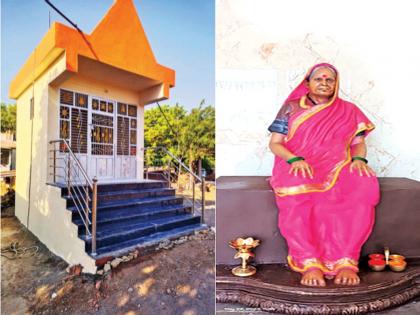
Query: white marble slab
[[263, 49]]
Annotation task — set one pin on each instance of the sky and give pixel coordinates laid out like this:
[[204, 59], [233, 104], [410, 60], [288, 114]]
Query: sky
[[181, 34]]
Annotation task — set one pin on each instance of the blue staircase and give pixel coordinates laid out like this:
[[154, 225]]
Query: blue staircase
[[133, 215]]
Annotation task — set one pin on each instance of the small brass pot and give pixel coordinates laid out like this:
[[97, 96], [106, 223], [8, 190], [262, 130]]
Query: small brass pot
[[396, 257], [376, 256], [377, 267], [397, 265]]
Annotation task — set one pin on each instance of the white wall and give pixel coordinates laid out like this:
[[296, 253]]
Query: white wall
[[39, 206], [264, 48]]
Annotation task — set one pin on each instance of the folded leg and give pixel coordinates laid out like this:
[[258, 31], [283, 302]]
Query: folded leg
[[295, 222]]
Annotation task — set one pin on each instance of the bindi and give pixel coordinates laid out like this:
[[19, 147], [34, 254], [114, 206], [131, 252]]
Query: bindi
[[324, 75]]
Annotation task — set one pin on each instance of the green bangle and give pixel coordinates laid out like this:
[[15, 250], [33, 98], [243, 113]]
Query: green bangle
[[359, 158], [296, 158]]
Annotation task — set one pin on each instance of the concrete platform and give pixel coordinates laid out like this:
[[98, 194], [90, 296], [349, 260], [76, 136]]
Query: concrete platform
[[276, 289], [246, 207]]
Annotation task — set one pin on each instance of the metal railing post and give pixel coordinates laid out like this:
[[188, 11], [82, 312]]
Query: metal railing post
[[168, 174], [203, 200], [54, 161], [94, 204], [180, 166], [80, 200], [87, 205], [68, 174], [193, 196]]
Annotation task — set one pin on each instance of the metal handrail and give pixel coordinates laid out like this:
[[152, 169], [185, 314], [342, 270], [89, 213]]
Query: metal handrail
[[186, 168], [85, 175], [76, 190]]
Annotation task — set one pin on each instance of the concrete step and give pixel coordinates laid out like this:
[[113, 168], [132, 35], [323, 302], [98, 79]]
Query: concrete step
[[135, 185], [116, 195], [135, 203], [125, 216], [133, 213], [112, 235], [123, 248]]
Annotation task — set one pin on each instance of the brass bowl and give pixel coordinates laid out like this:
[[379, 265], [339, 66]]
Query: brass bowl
[[377, 267], [396, 257], [376, 256], [244, 244], [397, 265]]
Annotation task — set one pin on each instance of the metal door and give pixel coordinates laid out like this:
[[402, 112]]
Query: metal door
[[102, 139]]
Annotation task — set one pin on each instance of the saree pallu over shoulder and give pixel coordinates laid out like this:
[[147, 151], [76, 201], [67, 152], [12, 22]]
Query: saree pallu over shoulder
[[322, 134]]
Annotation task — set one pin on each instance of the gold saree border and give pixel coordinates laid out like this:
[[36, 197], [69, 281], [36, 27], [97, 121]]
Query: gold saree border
[[328, 267], [331, 177]]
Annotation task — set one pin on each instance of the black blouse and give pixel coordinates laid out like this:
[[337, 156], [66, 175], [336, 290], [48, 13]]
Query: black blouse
[[281, 123]]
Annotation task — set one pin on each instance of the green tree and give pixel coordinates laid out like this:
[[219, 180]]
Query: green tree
[[8, 118], [191, 138], [157, 132], [197, 137]]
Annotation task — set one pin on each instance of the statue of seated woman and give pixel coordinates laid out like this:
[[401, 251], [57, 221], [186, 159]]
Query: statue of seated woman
[[325, 191]]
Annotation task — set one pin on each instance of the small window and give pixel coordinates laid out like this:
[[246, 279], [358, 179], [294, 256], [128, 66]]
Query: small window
[[122, 108], [133, 123], [95, 104], [81, 100], [103, 106], [66, 97], [64, 112], [110, 107], [132, 110], [133, 137], [64, 129]]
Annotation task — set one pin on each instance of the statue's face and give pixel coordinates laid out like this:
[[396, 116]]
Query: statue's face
[[322, 82]]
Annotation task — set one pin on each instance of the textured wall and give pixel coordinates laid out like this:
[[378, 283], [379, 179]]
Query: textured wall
[[264, 48]]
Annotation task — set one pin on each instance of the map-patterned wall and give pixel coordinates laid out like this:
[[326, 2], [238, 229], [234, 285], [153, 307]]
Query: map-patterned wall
[[262, 55]]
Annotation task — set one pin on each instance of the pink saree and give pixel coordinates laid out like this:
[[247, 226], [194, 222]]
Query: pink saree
[[325, 220]]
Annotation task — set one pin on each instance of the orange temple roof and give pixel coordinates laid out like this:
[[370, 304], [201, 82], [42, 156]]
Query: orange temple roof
[[117, 42]]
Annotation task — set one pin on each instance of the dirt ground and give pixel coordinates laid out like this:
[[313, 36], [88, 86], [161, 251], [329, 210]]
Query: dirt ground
[[175, 281]]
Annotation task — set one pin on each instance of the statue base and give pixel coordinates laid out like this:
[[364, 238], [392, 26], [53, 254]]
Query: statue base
[[276, 288]]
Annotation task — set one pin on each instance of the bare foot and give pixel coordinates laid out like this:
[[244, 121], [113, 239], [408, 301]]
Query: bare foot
[[313, 278], [347, 277]]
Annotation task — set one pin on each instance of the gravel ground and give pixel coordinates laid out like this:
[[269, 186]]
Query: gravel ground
[[179, 280]]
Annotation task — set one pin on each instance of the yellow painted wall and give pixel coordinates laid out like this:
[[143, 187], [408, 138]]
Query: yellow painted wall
[[38, 205], [43, 209], [23, 136], [38, 139], [54, 64]]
